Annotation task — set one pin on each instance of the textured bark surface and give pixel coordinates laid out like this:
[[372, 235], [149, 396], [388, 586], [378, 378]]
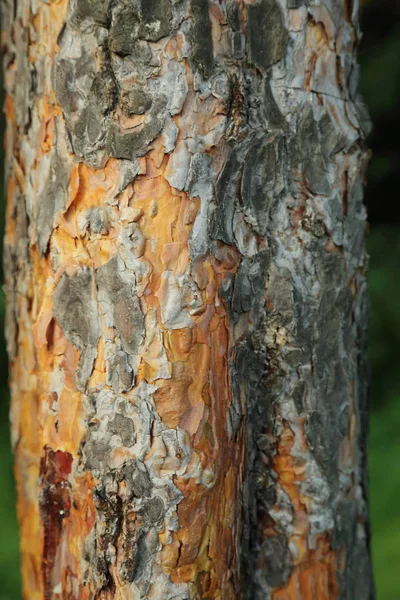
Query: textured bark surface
[[186, 298]]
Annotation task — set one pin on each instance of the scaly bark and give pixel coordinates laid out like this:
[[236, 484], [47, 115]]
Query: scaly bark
[[186, 298]]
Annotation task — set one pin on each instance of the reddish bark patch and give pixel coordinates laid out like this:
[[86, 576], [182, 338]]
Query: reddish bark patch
[[55, 505]]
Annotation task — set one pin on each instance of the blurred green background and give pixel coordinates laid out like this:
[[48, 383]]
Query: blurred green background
[[380, 85]]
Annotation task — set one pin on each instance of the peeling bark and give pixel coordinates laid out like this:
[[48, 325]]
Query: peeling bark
[[186, 298]]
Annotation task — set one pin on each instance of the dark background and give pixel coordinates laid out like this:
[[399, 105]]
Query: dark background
[[379, 56]]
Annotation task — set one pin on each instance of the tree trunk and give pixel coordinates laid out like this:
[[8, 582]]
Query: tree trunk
[[186, 298]]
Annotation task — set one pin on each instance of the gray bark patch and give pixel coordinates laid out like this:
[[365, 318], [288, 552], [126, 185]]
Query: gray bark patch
[[52, 200], [271, 111], [309, 149], [201, 38], [278, 560], [75, 310], [135, 101], [124, 29], [102, 48], [123, 426], [122, 309], [97, 11], [261, 166], [127, 315], [249, 287], [227, 191], [267, 35], [156, 19], [132, 144]]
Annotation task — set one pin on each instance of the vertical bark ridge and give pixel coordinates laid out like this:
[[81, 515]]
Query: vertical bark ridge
[[186, 298]]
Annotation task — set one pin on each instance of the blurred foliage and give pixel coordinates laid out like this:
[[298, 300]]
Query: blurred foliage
[[379, 54], [9, 554], [384, 472], [380, 86], [384, 439], [384, 324]]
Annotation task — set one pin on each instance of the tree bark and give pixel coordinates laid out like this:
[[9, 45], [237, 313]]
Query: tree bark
[[186, 298]]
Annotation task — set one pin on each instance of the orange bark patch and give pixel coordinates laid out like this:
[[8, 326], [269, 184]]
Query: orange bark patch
[[314, 574]]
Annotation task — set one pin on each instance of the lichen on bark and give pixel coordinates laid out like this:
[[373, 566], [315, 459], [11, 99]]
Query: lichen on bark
[[186, 298]]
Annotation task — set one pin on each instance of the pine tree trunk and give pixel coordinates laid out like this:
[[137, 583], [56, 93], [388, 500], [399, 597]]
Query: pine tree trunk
[[186, 298]]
